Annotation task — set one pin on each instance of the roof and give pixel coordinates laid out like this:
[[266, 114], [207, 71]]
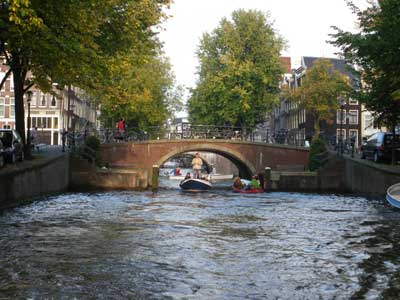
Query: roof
[[338, 64], [286, 64]]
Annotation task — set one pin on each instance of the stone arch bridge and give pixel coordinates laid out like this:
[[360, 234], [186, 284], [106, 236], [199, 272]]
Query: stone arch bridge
[[249, 157]]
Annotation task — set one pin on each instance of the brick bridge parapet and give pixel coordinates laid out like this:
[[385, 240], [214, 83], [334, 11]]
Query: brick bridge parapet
[[249, 157]]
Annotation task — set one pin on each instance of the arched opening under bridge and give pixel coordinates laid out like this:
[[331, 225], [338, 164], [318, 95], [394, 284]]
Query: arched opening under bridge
[[245, 168]]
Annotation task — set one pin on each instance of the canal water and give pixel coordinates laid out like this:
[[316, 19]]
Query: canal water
[[215, 245]]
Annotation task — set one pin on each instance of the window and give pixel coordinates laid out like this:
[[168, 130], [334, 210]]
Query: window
[[353, 102], [353, 117], [12, 107], [338, 135], [354, 133], [55, 123], [2, 110], [42, 122], [34, 99], [341, 116], [53, 101], [43, 100]]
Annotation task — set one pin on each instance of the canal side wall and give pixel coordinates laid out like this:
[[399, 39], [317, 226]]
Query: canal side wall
[[330, 178], [368, 178], [85, 176], [340, 175], [35, 178]]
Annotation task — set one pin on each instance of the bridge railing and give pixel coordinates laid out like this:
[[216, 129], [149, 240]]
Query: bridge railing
[[113, 135]]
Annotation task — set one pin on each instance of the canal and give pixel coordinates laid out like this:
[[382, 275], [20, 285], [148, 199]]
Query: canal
[[217, 245]]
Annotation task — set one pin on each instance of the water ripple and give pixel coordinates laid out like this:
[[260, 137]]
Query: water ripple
[[219, 245]]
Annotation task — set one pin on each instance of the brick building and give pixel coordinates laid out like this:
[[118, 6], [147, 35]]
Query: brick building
[[50, 113], [296, 125]]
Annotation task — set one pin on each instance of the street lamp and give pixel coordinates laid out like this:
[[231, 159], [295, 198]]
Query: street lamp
[[28, 142]]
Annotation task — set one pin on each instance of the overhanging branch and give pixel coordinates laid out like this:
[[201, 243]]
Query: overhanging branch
[[5, 78], [28, 87]]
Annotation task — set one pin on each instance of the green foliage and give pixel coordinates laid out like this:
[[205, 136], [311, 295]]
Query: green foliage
[[76, 43], [239, 72], [91, 150], [320, 90], [317, 155], [142, 93], [375, 50]]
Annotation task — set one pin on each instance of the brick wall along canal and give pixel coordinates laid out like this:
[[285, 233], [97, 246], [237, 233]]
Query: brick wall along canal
[[169, 245]]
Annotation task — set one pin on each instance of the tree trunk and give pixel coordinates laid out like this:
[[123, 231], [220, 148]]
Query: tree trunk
[[19, 102]]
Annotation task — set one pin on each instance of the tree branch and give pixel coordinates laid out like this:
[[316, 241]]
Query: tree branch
[[28, 87], [5, 77]]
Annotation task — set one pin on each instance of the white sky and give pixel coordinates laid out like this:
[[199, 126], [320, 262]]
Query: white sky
[[304, 24]]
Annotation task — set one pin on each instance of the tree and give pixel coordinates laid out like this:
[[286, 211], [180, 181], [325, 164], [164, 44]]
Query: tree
[[320, 91], [143, 93], [239, 72], [375, 51], [72, 42]]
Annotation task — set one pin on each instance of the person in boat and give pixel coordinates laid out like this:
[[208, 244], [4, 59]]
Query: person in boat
[[197, 163], [254, 183], [237, 183], [177, 171], [188, 176]]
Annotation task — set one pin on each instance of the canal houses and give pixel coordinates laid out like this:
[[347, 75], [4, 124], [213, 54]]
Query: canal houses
[[50, 112], [294, 125]]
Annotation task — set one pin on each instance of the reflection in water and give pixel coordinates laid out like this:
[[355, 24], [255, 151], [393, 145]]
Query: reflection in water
[[218, 245]]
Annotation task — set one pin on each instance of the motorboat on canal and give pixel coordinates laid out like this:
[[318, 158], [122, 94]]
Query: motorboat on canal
[[195, 185], [213, 177], [393, 195]]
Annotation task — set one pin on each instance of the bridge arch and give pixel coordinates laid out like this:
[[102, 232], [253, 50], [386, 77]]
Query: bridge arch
[[245, 167], [249, 157]]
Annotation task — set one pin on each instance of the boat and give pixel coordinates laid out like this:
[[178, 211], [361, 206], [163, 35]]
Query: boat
[[195, 185], [393, 195], [244, 191], [221, 176], [213, 177]]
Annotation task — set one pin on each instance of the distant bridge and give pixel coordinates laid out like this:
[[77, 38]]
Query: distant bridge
[[249, 157]]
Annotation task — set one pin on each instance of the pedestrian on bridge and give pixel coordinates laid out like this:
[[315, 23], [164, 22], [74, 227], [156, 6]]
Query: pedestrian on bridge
[[121, 129]]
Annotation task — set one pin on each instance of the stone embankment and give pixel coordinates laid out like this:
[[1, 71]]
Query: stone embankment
[[339, 175], [44, 175], [85, 176]]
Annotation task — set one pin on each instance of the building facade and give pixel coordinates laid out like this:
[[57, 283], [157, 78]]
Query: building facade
[[50, 112], [294, 125]]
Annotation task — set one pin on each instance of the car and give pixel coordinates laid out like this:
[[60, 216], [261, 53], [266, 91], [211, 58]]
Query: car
[[13, 145], [378, 147], [2, 154]]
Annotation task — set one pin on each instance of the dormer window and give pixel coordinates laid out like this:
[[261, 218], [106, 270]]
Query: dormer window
[[43, 103]]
